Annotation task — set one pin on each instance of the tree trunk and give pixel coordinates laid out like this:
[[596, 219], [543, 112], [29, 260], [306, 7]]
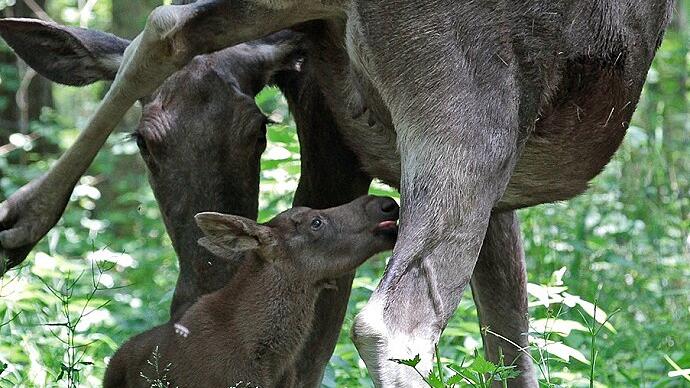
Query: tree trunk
[[130, 16], [22, 100]]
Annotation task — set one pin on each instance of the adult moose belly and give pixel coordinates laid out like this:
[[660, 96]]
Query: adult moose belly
[[578, 131], [573, 140]]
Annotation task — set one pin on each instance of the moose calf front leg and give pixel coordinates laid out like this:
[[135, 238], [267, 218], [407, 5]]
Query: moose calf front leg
[[499, 287]]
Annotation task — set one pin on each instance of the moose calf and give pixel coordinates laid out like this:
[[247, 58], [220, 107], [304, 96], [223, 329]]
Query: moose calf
[[251, 329]]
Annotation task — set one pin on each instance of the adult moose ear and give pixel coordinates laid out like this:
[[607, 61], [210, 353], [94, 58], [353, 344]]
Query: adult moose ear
[[67, 55], [226, 234]]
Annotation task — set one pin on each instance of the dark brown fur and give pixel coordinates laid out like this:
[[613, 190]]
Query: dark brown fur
[[253, 329]]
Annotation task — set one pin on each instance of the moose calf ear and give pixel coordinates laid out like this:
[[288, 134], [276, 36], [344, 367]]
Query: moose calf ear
[[225, 234], [67, 55]]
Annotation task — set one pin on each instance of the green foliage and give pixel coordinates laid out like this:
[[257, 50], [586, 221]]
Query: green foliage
[[160, 379], [625, 244], [481, 373]]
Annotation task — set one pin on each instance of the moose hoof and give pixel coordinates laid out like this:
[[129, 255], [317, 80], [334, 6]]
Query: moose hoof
[[379, 346]]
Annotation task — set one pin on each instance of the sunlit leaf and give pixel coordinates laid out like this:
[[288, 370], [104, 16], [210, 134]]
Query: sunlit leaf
[[560, 350], [481, 365], [434, 381], [412, 362], [593, 311], [562, 327], [455, 379]]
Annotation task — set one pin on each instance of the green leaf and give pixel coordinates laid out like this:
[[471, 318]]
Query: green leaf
[[63, 368], [434, 381], [470, 376], [413, 362], [457, 368], [506, 373], [481, 365], [455, 379]]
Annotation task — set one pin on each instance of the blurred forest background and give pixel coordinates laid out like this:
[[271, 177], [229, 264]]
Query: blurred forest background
[[107, 271]]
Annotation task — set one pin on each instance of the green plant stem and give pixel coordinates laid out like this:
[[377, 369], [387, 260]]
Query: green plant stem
[[438, 364]]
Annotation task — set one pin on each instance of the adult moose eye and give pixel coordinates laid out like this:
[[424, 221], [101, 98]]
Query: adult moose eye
[[316, 224]]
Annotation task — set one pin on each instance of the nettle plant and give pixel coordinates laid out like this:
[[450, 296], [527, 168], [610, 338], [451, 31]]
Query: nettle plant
[[554, 306]]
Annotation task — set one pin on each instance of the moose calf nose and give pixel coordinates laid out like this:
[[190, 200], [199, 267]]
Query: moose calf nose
[[389, 206], [381, 208], [386, 207]]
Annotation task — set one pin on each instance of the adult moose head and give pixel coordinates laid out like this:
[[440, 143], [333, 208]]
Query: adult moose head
[[209, 105], [473, 109]]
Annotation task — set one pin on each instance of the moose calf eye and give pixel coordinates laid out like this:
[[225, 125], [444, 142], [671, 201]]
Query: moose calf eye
[[316, 224]]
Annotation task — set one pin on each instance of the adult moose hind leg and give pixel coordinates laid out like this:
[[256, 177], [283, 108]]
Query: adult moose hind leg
[[173, 35], [457, 113], [499, 287]]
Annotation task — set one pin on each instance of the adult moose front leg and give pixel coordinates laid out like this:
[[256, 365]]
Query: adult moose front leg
[[457, 114], [448, 191], [499, 287], [173, 35]]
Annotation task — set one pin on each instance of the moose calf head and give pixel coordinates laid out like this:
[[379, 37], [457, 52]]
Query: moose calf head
[[305, 244]]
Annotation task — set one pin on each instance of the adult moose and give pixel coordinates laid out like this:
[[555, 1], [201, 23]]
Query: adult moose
[[473, 109], [209, 105]]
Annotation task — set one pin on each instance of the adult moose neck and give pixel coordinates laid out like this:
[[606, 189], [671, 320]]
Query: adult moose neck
[[205, 158]]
